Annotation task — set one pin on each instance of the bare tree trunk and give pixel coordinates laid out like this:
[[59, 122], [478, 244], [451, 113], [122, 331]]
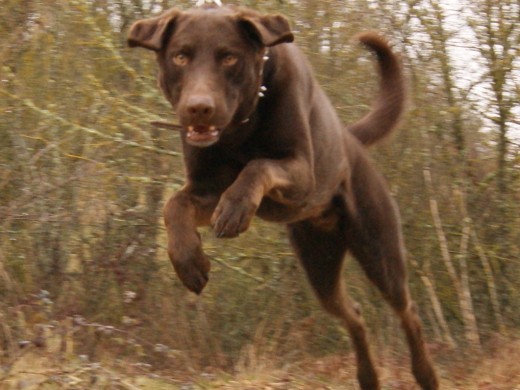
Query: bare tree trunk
[[490, 281], [466, 301], [460, 283], [428, 282], [439, 40]]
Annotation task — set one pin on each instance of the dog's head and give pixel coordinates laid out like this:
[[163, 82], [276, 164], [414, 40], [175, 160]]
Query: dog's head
[[210, 64]]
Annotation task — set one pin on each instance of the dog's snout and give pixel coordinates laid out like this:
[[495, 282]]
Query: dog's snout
[[200, 107]]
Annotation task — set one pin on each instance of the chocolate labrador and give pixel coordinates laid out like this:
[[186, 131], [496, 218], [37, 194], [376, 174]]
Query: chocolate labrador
[[260, 137]]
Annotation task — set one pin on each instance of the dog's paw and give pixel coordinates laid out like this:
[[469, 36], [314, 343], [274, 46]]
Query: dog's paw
[[232, 216], [192, 267]]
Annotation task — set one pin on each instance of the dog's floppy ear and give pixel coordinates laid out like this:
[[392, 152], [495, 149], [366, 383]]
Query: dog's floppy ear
[[150, 33], [269, 30]]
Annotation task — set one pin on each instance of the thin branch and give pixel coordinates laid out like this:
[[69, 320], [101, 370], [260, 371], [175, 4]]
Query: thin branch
[[46, 113]]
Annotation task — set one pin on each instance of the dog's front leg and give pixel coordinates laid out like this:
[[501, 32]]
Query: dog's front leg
[[182, 214], [286, 181]]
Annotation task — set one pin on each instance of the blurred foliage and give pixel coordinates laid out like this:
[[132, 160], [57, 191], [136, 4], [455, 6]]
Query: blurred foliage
[[83, 177]]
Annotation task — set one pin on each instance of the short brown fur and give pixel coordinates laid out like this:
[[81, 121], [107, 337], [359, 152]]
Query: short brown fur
[[285, 157]]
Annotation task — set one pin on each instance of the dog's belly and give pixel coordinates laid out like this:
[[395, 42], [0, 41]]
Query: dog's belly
[[273, 211]]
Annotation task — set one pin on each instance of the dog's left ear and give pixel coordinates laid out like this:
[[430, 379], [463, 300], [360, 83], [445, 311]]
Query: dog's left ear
[[151, 33], [269, 30]]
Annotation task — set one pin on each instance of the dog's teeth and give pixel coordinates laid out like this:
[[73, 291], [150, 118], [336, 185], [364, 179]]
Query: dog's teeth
[[261, 94], [263, 88]]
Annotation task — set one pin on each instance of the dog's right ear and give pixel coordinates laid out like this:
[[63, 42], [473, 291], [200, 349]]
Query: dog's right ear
[[151, 33]]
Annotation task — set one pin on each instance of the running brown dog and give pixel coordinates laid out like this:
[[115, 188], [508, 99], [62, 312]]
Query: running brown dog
[[260, 137]]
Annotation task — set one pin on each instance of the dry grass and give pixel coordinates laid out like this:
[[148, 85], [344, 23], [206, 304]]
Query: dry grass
[[37, 368]]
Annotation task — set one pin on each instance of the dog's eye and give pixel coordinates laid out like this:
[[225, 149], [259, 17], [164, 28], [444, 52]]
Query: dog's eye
[[181, 59], [229, 60]]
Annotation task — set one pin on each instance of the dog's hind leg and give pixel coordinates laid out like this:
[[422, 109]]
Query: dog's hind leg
[[321, 251], [375, 239]]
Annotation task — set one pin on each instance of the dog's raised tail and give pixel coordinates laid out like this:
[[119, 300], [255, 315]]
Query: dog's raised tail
[[389, 106]]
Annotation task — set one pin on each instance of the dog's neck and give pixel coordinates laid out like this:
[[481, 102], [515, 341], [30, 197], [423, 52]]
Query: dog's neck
[[262, 89]]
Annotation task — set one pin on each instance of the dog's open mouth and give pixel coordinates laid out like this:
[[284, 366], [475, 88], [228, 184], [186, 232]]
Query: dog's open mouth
[[202, 135]]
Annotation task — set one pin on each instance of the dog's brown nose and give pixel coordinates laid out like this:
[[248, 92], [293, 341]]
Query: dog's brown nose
[[200, 108]]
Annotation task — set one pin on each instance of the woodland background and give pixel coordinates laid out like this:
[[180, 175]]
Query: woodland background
[[88, 298]]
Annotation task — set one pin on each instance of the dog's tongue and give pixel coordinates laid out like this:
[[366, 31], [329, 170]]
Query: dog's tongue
[[202, 134]]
